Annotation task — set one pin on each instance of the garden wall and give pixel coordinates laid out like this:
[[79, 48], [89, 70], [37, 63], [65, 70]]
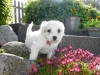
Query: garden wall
[[91, 44]]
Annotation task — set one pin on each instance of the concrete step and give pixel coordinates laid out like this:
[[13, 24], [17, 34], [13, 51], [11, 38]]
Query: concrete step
[[91, 44], [70, 32]]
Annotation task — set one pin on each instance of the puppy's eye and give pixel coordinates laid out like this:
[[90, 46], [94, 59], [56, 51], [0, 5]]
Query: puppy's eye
[[58, 30], [49, 30]]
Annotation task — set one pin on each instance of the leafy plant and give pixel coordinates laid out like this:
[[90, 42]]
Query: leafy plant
[[68, 62], [5, 11], [2, 51], [92, 22]]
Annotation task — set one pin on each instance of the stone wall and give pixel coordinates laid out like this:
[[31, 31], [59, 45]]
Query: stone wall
[[91, 44]]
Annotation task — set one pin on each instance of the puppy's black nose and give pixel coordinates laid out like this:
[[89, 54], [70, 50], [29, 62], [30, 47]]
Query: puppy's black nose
[[54, 38]]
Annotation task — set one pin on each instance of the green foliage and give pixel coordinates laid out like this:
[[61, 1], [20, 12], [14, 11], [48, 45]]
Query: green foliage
[[40, 10], [2, 51], [5, 11], [68, 69], [93, 22]]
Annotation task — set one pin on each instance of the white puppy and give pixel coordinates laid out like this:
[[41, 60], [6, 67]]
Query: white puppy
[[45, 40]]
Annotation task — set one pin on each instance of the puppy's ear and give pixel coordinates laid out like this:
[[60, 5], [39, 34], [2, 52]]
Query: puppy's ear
[[63, 33], [43, 26], [63, 28]]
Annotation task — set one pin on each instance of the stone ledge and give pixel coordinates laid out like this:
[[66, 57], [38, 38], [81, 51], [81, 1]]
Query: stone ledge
[[91, 44]]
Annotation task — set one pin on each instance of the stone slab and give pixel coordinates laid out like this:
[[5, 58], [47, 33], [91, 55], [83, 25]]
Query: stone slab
[[91, 44]]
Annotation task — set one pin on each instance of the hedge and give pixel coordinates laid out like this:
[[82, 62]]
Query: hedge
[[5, 11]]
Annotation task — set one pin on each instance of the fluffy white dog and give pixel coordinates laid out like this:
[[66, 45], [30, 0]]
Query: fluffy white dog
[[46, 39]]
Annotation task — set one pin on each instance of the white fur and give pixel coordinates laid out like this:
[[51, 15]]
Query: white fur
[[36, 41]]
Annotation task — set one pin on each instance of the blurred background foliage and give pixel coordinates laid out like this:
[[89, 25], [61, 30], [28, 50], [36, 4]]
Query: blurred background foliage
[[5, 12], [40, 10]]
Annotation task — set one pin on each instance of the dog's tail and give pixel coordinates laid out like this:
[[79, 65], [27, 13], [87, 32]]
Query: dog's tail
[[29, 29]]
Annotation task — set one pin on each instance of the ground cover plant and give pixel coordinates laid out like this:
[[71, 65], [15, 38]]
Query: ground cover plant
[[68, 62]]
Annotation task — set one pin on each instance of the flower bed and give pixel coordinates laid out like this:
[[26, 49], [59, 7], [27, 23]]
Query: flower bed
[[68, 62]]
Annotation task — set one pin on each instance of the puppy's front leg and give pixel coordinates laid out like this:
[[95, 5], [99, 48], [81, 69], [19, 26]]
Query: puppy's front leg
[[34, 52], [50, 54]]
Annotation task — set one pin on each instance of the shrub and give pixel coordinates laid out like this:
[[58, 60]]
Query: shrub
[[40, 10], [68, 62], [5, 11]]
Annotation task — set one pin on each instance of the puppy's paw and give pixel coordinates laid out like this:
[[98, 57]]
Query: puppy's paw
[[50, 54], [33, 56]]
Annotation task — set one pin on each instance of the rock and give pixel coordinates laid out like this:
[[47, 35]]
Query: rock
[[22, 31], [14, 65], [7, 34], [2, 40], [17, 48]]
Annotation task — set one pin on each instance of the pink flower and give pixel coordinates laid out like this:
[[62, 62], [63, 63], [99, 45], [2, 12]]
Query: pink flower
[[50, 62], [57, 50], [63, 62], [91, 66], [54, 57], [69, 47], [75, 69], [71, 70], [34, 68], [68, 61], [64, 49]]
